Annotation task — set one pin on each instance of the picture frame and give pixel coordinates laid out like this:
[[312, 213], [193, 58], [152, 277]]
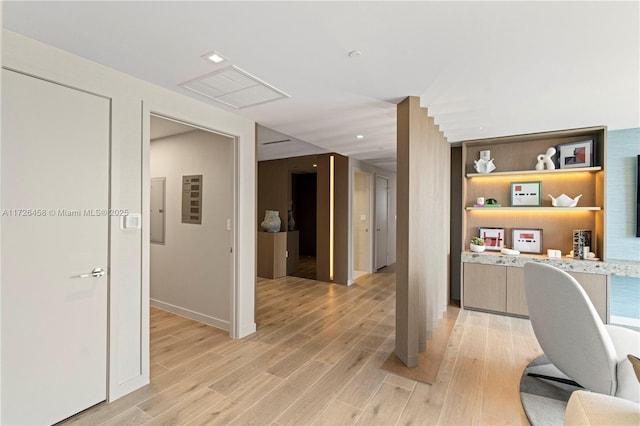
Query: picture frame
[[526, 194], [575, 154], [527, 240], [493, 238]]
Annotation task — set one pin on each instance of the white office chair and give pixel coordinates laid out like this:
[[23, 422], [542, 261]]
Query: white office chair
[[573, 337]]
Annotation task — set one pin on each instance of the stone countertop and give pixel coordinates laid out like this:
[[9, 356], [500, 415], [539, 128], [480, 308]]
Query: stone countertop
[[625, 268]]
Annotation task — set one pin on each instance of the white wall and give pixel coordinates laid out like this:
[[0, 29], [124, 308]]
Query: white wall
[[356, 165], [190, 273], [132, 102], [623, 147]]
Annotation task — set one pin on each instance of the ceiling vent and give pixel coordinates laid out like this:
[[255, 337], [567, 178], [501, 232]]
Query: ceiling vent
[[234, 87]]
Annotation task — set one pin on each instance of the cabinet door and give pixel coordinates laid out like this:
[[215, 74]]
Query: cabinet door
[[597, 288], [485, 287], [516, 296]]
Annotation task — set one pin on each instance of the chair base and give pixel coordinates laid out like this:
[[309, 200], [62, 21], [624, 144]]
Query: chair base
[[555, 379]]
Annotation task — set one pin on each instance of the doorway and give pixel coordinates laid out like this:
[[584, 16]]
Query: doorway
[[361, 224], [382, 224], [191, 265], [304, 209]]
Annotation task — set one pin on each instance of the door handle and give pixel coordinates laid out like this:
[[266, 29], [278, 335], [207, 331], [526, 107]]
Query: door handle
[[96, 273]]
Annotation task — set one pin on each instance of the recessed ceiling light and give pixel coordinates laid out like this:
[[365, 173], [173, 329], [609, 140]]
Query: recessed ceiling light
[[355, 54], [214, 57], [315, 165], [359, 136]]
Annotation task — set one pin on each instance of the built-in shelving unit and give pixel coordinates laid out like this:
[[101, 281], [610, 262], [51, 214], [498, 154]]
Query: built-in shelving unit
[[515, 158], [498, 287]]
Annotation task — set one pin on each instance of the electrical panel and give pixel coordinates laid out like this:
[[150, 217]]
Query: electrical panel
[[192, 199]]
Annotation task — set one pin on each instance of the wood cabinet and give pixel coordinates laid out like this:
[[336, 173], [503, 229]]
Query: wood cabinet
[[500, 289], [485, 287], [515, 159], [272, 254], [516, 297]]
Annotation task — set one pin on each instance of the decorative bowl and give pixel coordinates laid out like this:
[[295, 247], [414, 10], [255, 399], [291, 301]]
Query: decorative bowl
[[477, 249], [564, 200]]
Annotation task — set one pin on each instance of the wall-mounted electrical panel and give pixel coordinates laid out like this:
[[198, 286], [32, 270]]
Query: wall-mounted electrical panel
[[192, 199]]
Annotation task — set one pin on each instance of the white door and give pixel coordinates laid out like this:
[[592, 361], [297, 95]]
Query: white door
[[55, 189], [382, 213]]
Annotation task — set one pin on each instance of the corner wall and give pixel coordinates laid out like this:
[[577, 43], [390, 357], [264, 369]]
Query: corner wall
[[190, 272], [354, 166], [132, 102]]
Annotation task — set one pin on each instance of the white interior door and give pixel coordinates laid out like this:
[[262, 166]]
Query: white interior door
[[55, 190], [382, 227]]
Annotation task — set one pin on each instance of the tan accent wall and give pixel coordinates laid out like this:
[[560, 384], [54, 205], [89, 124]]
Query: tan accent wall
[[274, 193], [422, 272]]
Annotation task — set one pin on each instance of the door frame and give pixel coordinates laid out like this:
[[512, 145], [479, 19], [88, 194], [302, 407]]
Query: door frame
[[370, 220], [376, 222], [147, 112]]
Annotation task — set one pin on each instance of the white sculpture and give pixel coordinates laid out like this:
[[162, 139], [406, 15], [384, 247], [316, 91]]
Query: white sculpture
[[564, 200], [483, 166], [545, 161]]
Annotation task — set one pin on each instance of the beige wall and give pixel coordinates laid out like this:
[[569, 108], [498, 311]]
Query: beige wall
[[422, 268], [132, 102], [190, 273]]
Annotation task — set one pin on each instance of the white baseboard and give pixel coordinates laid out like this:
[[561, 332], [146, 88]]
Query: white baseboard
[[216, 322]]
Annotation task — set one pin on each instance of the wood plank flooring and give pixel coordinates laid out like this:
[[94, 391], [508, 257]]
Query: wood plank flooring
[[315, 360]]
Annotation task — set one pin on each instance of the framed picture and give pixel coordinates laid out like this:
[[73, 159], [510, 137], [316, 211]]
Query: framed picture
[[526, 194], [493, 238], [575, 154], [527, 240]]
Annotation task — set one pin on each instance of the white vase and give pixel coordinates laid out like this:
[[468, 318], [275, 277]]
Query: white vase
[[477, 249], [271, 222]]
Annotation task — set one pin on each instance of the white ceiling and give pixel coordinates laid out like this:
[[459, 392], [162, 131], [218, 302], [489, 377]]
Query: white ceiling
[[483, 69]]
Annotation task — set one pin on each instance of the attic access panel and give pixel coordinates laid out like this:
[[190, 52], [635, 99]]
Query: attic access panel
[[234, 87]]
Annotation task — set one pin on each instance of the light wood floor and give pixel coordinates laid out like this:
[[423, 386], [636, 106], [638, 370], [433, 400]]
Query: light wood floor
[[315, 360]]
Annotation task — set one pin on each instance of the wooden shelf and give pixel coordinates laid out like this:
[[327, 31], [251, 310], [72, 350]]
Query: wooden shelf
[[564, 209], [534, 172]]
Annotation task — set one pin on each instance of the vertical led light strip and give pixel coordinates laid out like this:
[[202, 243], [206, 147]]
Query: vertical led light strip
[[331, 207]]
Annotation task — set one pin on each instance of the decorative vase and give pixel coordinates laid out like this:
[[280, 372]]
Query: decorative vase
[[291, 224], [477, 249], [271, 221]]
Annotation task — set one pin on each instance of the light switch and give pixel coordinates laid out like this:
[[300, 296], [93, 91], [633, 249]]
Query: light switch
[[228, 224], [363, 218]]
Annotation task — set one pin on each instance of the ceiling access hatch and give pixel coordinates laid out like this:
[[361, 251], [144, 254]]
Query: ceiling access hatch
[[234, 87]]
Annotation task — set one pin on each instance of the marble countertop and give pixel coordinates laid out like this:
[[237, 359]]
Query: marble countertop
[[610, 267]]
